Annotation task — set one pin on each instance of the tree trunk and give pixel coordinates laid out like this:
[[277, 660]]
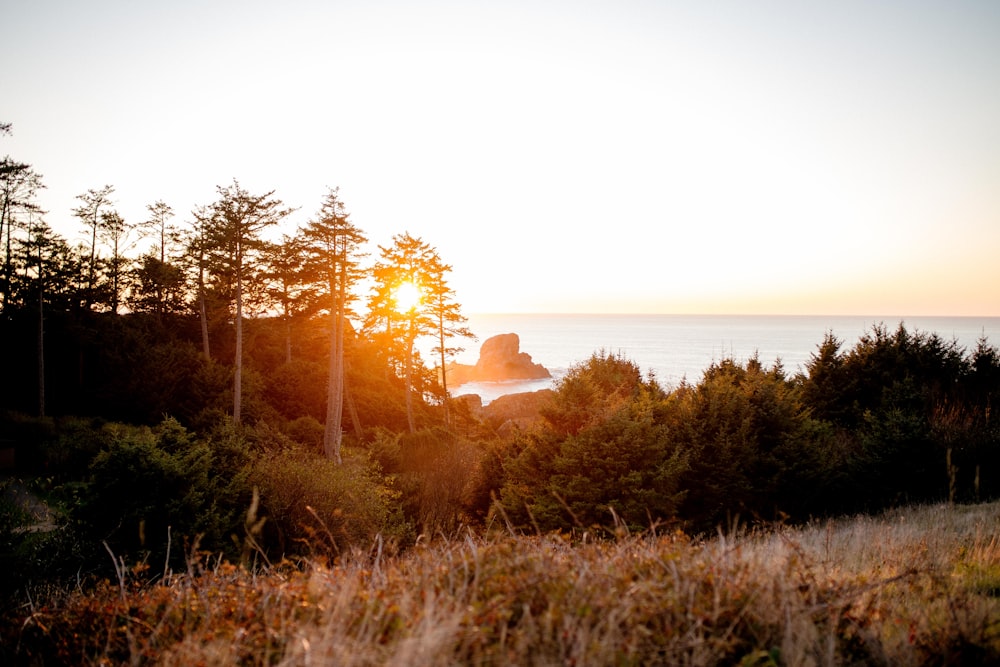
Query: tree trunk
[[238, 371], [93, 261], [41, 337], [288, 338], [8, 259], [333, 435], [352, 410], [203, 310], [444, 374], [409, 381]]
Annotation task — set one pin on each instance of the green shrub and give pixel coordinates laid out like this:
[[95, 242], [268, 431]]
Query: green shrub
[[150, 486], [306, 431], [311, 504], [605, 455]]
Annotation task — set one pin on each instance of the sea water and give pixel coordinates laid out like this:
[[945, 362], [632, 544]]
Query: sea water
[[676, 347]]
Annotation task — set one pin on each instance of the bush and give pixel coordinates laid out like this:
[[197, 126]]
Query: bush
[[436, 473], [753, 448], [306, 431], [149, 486], [605, 451], [313, 505]]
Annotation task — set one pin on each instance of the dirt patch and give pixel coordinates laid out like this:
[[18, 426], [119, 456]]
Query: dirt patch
[[41, 518]]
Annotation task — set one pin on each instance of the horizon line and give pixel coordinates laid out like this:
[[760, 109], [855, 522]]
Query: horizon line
[[717, 314]]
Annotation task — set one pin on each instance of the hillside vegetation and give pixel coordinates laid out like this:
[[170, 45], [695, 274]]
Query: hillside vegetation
[[908, 587]]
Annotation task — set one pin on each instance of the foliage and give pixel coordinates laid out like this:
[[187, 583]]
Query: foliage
[[910, 588], [752, 447], [900, 402], [331, 269], [311, 504], [435, 471], [149, 486], [606, 451], [411, 264]]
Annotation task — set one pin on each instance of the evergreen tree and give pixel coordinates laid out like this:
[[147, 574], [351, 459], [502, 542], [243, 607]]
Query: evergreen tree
[[331, 243], [397, 308], [89, 212], [198, 247], [115, 232], [285, 287], [234, 234], [158, 281], [19, 184], [447, 314]]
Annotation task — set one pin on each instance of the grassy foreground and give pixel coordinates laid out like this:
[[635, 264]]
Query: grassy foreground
[[913, 587]]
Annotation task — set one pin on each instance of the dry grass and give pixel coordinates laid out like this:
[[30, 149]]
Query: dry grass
[[908, 588]]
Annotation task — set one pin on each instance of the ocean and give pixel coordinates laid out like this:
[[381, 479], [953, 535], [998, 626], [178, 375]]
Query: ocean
[[674, 347]]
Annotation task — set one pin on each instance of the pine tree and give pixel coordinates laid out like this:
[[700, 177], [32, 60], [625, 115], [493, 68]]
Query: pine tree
[[447, 314], [331, 244], [234, 233], [412, 299]]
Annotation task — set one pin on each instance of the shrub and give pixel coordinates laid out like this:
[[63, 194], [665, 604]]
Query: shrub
[[311, 504], [306, 431], [436, 471], [751, 445], [605, 451], [149, 486]]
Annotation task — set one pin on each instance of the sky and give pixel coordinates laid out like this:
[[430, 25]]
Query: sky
[[631, 156]]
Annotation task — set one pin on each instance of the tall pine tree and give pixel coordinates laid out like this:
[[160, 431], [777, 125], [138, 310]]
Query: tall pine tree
[[332, 250]]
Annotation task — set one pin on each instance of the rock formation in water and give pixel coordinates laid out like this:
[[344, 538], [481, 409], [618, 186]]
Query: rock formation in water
[[500, 359], [509, 412], [517, 411]]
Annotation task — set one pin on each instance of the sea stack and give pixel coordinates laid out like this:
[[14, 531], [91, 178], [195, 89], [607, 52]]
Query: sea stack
[[500, 358]]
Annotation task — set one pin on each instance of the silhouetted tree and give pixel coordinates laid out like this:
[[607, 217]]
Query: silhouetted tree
[[285, 287], [198, 247], [447, 314], [159, 282], [89, 213], [332, 253], [237, 220], [114, 231], [19, 184], [408, 264]]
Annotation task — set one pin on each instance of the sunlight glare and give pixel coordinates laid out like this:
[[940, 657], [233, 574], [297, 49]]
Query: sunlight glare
[[407, 296]]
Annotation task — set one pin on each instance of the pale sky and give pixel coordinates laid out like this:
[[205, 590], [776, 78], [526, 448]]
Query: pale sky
[[674, 157]]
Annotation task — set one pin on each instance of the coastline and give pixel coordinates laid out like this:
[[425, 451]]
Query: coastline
[[677, 347]]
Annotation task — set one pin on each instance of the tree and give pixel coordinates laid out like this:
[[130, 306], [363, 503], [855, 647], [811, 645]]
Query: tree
[[237, 220], [197, 254], [48, 266], [158, 226], [331, 244], [19, 184], [401, 276], [114, 231], [607, 445], [285, 287], [158, 282], [157, 287], [447, 314], [89, 213], [751, 444]]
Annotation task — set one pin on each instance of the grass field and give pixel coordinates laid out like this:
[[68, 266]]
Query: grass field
[[919, 586]]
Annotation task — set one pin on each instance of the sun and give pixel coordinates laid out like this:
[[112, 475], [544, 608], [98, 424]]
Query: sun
[[407, 296]]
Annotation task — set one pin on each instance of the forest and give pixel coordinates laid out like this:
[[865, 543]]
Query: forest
[[181, 388]]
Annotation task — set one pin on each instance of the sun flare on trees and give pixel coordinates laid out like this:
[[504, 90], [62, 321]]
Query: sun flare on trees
[[407, 296]]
